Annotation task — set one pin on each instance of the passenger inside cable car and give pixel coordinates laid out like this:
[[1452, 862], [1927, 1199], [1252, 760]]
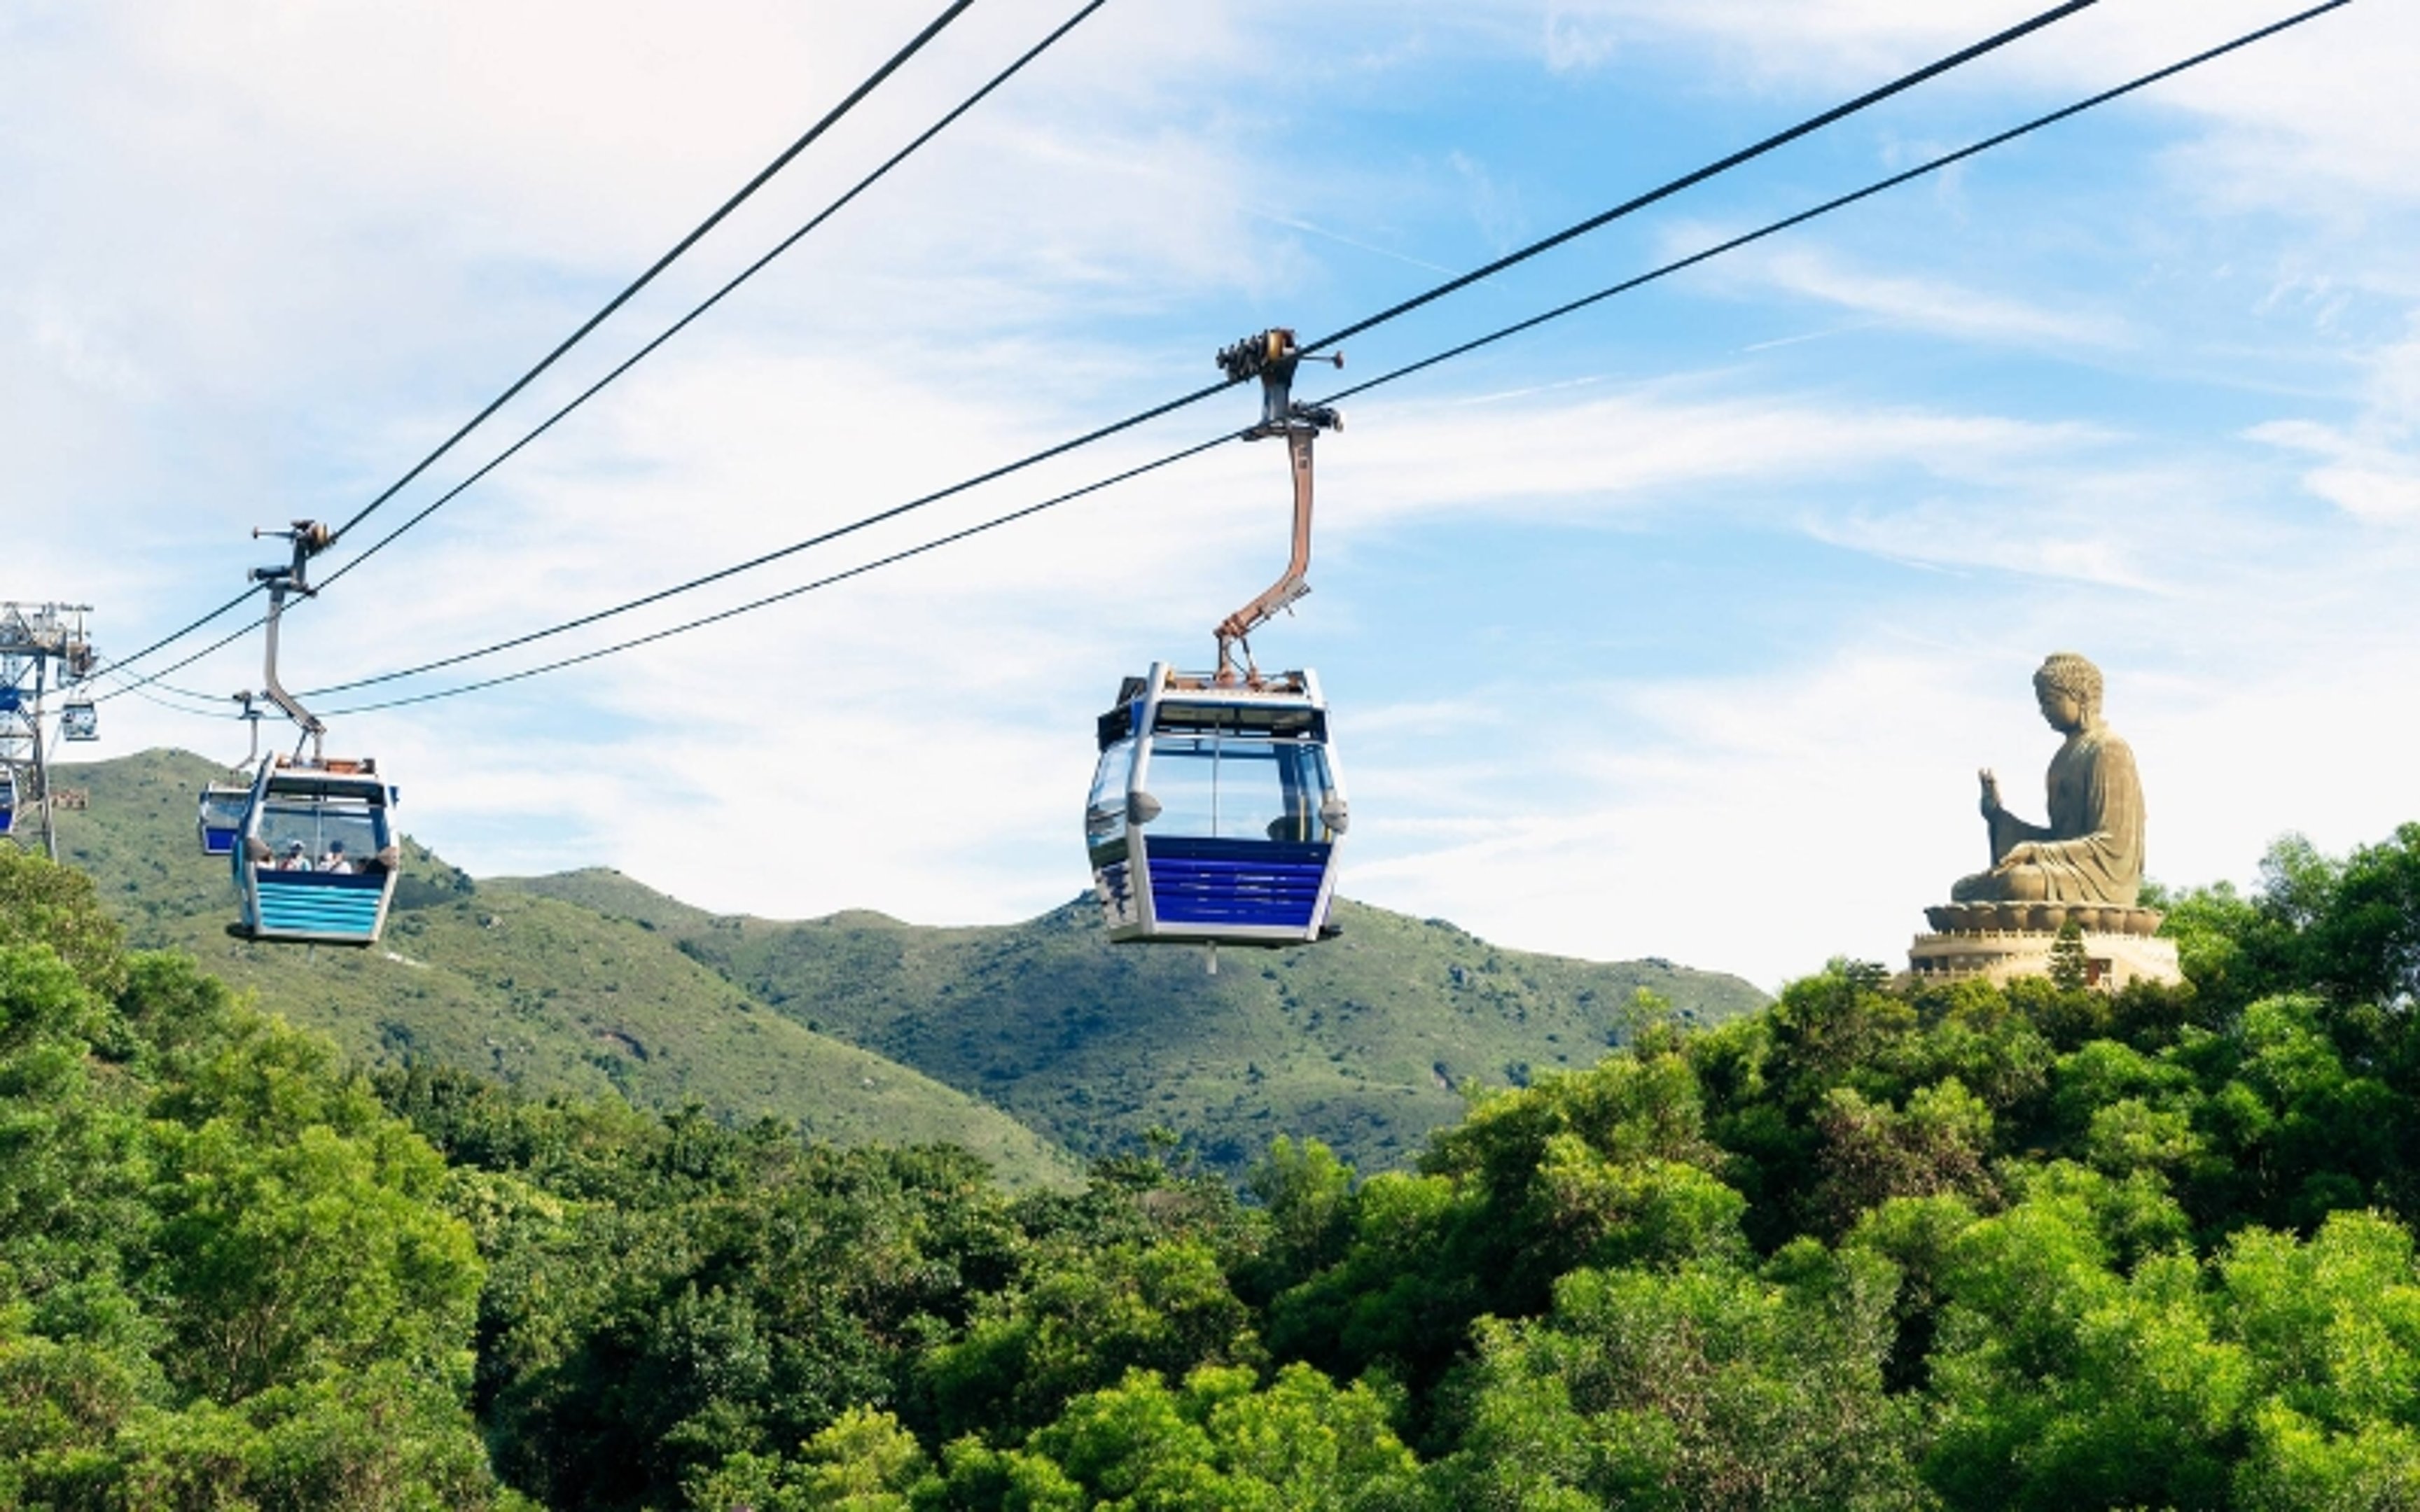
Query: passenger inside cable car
[[316, 862], [302, 828]]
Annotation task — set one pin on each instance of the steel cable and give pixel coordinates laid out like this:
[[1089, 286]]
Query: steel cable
[[1395, 375], [1593, 223]]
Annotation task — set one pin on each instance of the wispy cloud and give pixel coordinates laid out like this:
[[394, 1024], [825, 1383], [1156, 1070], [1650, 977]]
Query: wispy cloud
[[1937, 306], [1629, 452], [2370, 468]]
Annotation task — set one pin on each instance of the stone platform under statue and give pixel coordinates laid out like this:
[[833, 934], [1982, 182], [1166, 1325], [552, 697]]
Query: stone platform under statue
[[2084, 867], [2002, 941]]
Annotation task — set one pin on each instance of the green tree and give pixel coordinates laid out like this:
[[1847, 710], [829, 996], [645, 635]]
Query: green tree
[[1709, 1386], [1221, 1444], [2070, 972], [2063, 1383], [1603, 1167], [1082, 1322], [54, 907], [224, 1277]]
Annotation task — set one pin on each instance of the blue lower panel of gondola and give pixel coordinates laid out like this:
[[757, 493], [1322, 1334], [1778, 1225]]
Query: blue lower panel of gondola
[[332, 905], [1235, 882], [219, 841]]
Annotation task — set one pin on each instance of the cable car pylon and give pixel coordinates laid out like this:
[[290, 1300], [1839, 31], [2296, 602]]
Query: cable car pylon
[[314, 861]]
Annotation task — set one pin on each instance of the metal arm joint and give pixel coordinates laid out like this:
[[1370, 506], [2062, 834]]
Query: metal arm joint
[[309, 537], [1272, 356]]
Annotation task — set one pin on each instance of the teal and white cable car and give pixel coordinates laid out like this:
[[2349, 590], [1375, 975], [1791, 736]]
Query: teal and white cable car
[[315, 861]]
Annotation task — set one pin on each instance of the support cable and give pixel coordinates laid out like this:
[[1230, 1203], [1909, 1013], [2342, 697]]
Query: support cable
[[1593, 223], [1921, 170], [1813, 123], [915, 45], [717, 297]]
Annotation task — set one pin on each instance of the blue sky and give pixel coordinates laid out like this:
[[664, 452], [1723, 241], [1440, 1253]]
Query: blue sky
[[1677, 628]]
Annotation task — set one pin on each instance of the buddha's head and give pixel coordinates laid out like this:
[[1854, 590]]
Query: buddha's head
[[2069, 689]]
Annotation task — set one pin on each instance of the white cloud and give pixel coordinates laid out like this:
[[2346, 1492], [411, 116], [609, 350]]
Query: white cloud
[[2370, 468], [2295, 117], [1920, 303], [1765, 823], [1628, 452]]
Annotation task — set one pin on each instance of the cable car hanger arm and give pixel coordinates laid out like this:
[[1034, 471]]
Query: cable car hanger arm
[[1272, 356], [308, 536]]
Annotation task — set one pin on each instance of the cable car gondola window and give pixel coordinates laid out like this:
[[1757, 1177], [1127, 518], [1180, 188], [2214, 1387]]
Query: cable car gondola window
[[320, 828], [220, 819], [1224, 788], [1105, 811]]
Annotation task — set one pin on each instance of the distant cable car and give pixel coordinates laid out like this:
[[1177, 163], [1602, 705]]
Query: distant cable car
[[220, 819], [219, 813], [315, 861], [1215, 811], [78, 720]]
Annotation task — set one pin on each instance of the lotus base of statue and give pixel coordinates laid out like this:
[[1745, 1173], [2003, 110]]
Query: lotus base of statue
[[2000, 942], [2041, 919]]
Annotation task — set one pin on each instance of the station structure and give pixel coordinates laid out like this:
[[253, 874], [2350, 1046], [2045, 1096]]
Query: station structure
[[43, 651]]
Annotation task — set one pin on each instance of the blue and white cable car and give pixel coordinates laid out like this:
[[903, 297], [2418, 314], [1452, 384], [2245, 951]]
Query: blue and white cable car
[[317, 859], [1216, 813], [219, 821], [80, 720], [8, 800], [219, 813]]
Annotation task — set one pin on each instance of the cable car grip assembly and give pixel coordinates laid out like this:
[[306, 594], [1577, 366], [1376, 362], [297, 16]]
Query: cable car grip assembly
[[1272, 356], [309, 536]]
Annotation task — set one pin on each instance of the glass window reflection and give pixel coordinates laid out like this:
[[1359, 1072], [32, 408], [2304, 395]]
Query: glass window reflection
[[328, 835], [1105, 811], [1226, 788]]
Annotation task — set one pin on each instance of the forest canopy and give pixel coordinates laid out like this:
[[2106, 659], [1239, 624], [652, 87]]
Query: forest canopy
[[1879, 1246]]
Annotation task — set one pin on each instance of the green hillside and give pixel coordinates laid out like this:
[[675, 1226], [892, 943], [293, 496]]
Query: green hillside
[[1365, 1042], [589, 979], [545, 994]]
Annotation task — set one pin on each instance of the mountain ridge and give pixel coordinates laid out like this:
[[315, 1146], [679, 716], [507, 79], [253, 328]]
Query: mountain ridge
[[1366, 1042], [859, 1025], [537, 993]]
